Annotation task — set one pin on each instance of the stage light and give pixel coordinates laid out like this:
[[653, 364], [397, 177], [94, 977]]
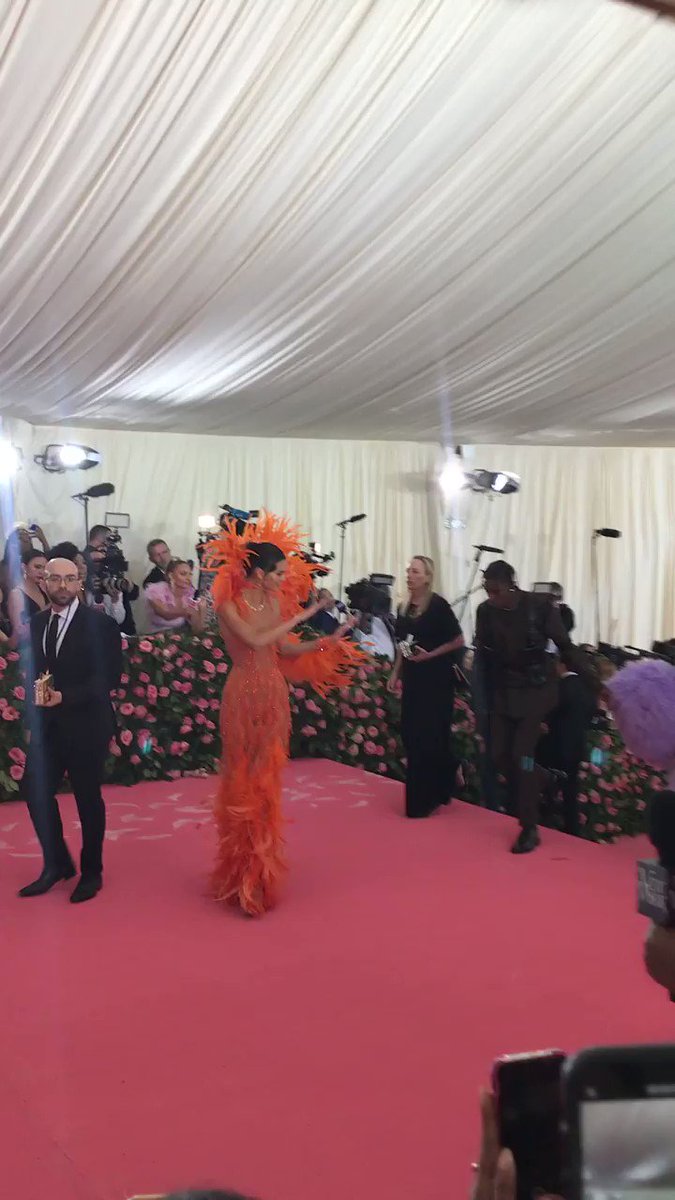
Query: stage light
[[10, 460], [452, 478], [505, 483], [206, 522], [57, 458]]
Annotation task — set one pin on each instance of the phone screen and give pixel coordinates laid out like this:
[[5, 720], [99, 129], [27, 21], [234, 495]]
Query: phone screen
[[529, 1099], [627, 1147]]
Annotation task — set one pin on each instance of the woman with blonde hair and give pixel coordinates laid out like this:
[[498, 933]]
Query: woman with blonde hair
[[427, 633]]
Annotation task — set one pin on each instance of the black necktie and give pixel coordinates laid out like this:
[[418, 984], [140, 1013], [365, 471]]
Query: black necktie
[[51, 643]]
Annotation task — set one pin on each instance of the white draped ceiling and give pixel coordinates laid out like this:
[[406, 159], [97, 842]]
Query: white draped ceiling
[[391, 219]]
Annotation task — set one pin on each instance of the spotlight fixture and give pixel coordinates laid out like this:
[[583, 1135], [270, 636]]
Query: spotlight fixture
[[10, 460], [503, 483], [57, 458], [206, 522], [453, 478]]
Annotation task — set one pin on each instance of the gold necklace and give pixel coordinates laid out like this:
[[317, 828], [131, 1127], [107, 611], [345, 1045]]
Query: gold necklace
[[253, 607]]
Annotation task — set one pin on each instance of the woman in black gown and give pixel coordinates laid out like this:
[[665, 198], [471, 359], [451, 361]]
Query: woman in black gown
[[431, 630]]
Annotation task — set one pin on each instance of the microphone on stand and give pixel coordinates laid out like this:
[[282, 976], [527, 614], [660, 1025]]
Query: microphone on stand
[[489, 549], [610, 533], [656, 880], [351, 520]]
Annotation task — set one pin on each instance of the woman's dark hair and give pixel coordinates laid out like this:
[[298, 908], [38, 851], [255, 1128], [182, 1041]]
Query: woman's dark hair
[[66, 550], [262, 556], [500, 572], [30, 555]]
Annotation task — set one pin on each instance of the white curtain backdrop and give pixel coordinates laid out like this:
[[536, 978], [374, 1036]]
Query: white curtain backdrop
[[165, 481]]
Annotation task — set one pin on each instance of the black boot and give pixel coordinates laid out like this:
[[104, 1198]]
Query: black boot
[[87, 888], [49, 877], [528, 839]]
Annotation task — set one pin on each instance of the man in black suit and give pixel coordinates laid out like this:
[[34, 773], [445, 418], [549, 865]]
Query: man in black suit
[[564, 746], [71, 730]]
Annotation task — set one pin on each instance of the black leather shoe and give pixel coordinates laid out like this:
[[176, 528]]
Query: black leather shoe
[[47, 881], [527, 841], [87, 889]]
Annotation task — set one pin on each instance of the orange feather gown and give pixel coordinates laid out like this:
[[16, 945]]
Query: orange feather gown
[[255, 720]]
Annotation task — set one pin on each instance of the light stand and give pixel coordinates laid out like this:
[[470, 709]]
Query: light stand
[[342, 526], [598, 533], [470, 589]]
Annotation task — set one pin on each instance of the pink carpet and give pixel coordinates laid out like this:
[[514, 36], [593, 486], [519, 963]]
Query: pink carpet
[[333, 1049]]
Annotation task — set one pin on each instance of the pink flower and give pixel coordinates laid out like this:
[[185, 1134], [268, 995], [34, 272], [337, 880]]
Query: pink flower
[[207, 738], [582, 818], [3, 703], [19, 693], [209, 667], [210, 725], [222, 668], [176, 685], [202, 702], [134, 759], [145, 645], [363, 714], [370, 748], [163, 692], [186, 727], [3, 664], [139, 691], [174, 748], [126, 709], [217, 653], [312, 706], [16, 772], [143, 737], [12, 656], [152, 693], [207, 644], [9, 714], [322, 724], [18, 756], [300, 694], [144, 677], [358, 738], [353, 750], [382, 769], [114, 750], [371, 731], [124, 679], [126, 737], [214, 705], [200, 719], [141, 711], [187, 688], [184, 746], [308, 731]]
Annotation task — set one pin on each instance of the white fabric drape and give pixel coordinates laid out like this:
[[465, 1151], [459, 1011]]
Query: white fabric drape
[[339, 218], [165, 481]]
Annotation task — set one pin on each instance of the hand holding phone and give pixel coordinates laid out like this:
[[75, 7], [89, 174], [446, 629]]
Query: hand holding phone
[[528, 1093]]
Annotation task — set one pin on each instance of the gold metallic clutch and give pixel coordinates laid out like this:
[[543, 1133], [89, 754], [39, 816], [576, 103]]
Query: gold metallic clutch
[[43, 686]]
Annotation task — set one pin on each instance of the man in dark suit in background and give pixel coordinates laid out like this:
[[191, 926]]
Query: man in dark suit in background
[[71, 727]]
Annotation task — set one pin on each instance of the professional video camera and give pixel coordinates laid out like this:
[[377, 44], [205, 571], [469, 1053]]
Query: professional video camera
[[317, 560], [367, 597], [241, 518], [108, 573]]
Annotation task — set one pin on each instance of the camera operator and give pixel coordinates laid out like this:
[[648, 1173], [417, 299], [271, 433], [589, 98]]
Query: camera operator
[[373, 630], [107, 583]]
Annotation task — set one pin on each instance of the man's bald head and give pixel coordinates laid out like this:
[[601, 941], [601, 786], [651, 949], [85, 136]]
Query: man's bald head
[[62, 582]]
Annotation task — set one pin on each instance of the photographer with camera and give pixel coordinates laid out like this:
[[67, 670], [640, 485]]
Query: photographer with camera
[[373, 630], [107, 584]]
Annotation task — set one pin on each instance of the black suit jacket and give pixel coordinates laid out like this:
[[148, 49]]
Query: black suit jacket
[[88, 669]]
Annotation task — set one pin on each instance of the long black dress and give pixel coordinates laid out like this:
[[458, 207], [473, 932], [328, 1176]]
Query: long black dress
[[427, 708]]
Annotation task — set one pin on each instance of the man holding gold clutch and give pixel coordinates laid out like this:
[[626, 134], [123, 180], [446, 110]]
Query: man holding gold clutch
[[74, 662]]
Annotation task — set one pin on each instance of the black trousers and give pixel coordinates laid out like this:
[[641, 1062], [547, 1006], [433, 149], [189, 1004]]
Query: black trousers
[[78, 751]]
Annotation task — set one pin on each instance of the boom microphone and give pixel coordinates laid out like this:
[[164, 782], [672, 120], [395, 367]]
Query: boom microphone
[[489, 549], [351, 520], [610, 533]]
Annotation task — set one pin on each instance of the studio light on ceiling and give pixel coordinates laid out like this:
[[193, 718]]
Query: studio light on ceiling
[[57, 458], [206, 522], [502, 483], [10, 460]]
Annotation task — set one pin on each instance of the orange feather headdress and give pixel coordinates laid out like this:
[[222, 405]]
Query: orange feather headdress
[[229, 556]]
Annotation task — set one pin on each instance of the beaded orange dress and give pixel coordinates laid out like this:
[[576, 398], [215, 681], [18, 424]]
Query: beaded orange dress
[[255, 718]]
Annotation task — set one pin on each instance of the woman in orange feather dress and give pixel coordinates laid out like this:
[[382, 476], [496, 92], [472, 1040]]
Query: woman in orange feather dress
[[258, 592]]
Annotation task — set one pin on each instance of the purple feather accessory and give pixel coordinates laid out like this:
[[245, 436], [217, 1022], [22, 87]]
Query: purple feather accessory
[[643, 706]]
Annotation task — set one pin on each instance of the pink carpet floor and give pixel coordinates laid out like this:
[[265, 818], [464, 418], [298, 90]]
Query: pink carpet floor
[[332, 1050]]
